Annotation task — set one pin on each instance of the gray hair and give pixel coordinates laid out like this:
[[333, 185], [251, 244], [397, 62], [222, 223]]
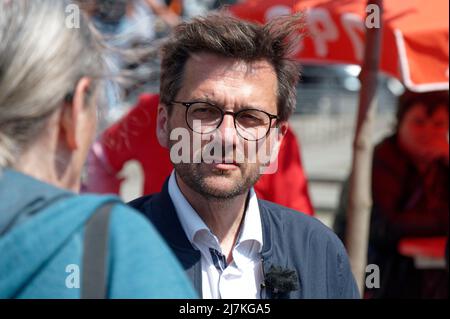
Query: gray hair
[[41, 61], [224, 35]]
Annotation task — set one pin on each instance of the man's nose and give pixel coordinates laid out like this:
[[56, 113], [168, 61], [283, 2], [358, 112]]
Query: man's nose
[[227, 129]]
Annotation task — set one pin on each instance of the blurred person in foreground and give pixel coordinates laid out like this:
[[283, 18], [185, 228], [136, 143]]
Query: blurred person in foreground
[[410, 195], [53, 242], [232, 84]]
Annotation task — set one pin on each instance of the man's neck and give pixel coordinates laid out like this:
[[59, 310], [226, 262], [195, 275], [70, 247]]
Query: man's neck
[[223, 217]]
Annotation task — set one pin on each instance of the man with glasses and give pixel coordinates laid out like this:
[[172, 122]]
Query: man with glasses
[[227, 91]]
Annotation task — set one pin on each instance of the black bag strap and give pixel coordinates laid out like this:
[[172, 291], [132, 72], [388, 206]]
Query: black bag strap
[[95, 255]]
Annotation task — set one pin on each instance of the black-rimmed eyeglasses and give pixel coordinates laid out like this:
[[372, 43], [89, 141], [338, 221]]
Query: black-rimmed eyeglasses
[[205, 118]]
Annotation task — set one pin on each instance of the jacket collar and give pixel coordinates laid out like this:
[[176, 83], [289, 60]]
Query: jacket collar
[[165, 219], [164, 216]]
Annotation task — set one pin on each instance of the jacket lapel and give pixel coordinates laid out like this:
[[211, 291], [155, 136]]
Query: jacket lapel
[[273, 253]]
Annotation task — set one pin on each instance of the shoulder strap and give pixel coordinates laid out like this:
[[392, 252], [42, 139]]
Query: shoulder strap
[[94, 276]]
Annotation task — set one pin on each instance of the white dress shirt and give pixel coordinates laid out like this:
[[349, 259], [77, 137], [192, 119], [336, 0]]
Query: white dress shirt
[[242, 278]]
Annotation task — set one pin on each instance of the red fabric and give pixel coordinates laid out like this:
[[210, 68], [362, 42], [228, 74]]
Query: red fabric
[[433, 247], [134, 137], [414, 38], [288, 186]]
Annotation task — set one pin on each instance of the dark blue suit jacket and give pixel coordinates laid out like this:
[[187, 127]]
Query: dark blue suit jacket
[[301, 257]]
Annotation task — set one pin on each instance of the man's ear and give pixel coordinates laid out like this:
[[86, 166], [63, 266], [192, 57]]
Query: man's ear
[[71, 125], [275, 138], [281, 131], [162, 125]]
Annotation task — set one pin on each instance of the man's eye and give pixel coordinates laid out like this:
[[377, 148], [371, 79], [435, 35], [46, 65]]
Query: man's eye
[[257, 116], [251, 120], [202, 110], [250, 117], [205, 112]]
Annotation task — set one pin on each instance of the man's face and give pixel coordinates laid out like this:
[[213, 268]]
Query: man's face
[[232, 86]]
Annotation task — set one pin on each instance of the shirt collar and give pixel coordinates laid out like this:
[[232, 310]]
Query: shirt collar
[[189, 219], [251, 227], [193, 224]]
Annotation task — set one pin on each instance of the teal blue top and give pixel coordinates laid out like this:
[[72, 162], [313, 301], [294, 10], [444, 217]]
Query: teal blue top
[[41, 248]]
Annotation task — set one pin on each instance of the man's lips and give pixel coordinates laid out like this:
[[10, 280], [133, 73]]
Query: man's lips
[[222, 161], [225, 166]]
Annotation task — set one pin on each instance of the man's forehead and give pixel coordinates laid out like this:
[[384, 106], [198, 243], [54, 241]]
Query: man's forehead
[[220, 63], [230, 81]]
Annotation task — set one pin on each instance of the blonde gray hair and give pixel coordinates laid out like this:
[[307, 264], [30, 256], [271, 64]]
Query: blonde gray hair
[[41, 61]]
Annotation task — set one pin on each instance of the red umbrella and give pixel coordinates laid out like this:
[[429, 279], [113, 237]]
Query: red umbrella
[[414, 43]]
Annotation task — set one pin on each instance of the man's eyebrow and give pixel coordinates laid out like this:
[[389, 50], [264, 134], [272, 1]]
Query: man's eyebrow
[[205, 98], [210, 100]]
